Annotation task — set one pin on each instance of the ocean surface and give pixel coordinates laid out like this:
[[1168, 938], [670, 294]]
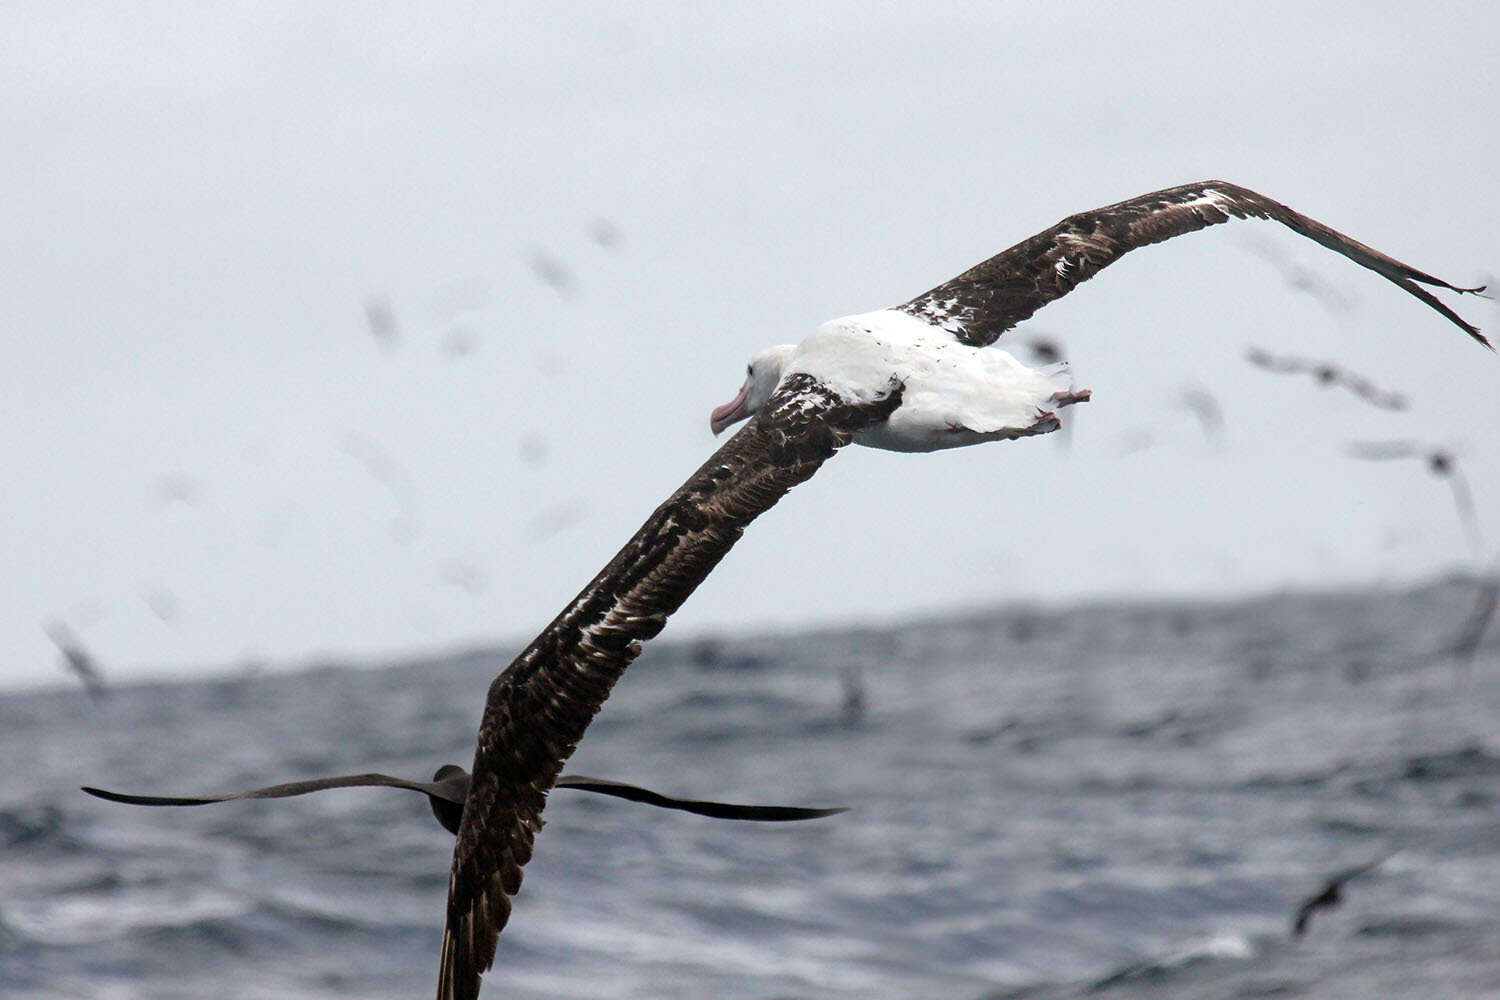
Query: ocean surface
[[1111, 800]]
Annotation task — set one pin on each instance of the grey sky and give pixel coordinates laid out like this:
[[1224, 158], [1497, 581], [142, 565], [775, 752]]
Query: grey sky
[[202, 199]]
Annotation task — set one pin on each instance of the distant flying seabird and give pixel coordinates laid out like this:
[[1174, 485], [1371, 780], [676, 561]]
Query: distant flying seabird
[[1204, 406], [849, 381], [449, 788], [1441, 463], [77, 660], [1327, 374], [382, 322], [1045, 350], [1301, 278], [1331, 894], [1485, 600]]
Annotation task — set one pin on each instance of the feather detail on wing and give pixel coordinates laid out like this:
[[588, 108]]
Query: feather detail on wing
[[990, 298], [539, 707]]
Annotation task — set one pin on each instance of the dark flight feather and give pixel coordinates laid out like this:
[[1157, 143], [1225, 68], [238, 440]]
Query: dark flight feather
[[990, 298]]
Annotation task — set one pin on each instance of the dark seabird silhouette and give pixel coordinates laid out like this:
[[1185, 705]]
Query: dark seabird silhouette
[[162, 602], [605, 233], [77, 660], [1048, 350], [554, 519], [460, 342], [1301, 278], [1327, 373], [1204, 406], [466, 576], [175, 488], [1197, 401], [388, 472], [1331, 894], [1045, 350], [382, 322], [855, 704], [553, 273], [534, 448], [849, 380], [1485, 600], [1441, 463], [449, 789]]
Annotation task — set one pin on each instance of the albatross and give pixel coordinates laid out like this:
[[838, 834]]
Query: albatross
[[1327, 373], [1443, 464], [917, 377]]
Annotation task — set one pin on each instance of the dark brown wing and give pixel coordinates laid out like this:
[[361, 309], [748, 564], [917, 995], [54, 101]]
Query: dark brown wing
[[1383, 450], [1485, 600], [276, 791], [1370, 393], [1327, 896], [1272, 363], [990, 298], [1463, 499], [540, 706], [701, 807], [448, 795], [77, 659], [1331, 894]]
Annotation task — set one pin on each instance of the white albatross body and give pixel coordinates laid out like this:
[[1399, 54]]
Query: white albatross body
[[954, 394]]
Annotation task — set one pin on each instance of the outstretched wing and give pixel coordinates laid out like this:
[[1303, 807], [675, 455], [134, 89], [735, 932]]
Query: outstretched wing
[[1272, 363], [1370, 393], [990, 298], [1383, 450], [1328, 373], [1463, 500], [538, 709], [1485, 600], [702, 807], [1331, 892], [282, 791]]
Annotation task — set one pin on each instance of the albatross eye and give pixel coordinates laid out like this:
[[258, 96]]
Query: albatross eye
[[750, 370]]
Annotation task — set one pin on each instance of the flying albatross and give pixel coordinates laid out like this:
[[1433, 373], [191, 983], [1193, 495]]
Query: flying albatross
[[1332, 892], [449, 788], [77, 660], [1441, 463], [1327, 373], [916, 377]]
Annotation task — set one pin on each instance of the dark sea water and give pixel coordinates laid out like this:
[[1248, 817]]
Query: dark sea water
[[1108, 800]]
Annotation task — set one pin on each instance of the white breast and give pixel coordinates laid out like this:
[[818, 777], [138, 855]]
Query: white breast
[[954, 394]]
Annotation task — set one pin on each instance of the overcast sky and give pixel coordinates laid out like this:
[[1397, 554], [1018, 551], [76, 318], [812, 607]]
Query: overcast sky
[[574, 228]]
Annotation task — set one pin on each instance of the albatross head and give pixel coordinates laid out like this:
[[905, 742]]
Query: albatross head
[[761, 377]]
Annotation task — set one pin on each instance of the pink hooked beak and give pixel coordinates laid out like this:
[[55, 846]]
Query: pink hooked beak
[[731, 412]]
